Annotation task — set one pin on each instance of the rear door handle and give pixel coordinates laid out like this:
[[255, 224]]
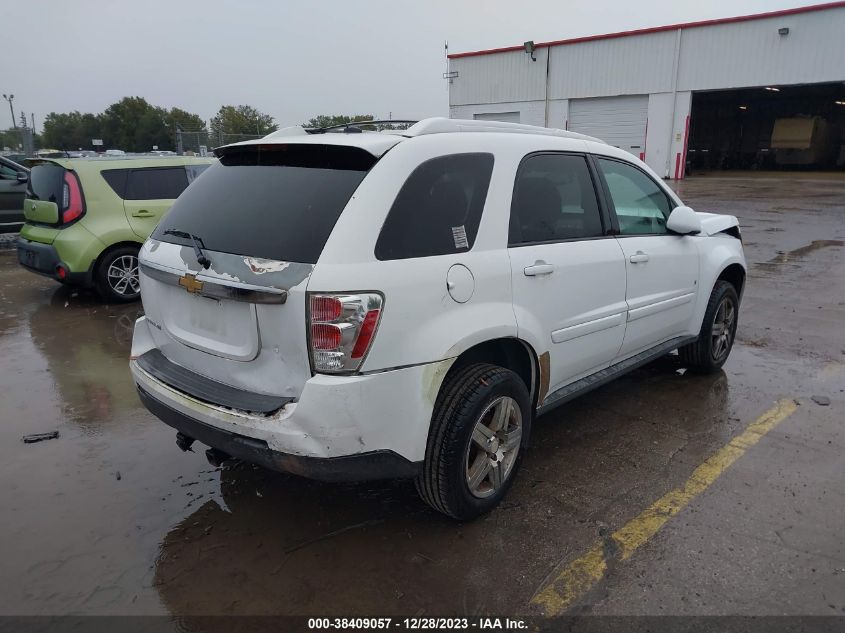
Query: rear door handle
[[539, 268], [639, 258], [143, 213]]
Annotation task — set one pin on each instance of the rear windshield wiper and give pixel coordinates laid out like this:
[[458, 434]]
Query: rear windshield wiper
[[201, 258]]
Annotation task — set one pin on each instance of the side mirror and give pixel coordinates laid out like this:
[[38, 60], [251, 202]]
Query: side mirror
[[23, 176], [684, 221]]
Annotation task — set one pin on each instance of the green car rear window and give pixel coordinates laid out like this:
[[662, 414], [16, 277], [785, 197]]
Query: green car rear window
[[46, 182]]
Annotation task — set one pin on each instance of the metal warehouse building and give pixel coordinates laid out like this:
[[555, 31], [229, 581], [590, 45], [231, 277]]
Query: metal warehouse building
[[762, 91]]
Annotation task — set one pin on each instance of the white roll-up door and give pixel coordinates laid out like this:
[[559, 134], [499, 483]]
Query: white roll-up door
[[618, 121], [504, 117]]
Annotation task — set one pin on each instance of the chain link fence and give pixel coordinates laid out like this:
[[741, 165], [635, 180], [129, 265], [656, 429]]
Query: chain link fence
[[19, 140], [202, 141]]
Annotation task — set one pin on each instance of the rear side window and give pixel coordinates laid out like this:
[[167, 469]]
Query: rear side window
[[159, 183], [194, 171], [641, 206], [46, 182], [554, 199], [117, 180], [277, 202], [438, 210]]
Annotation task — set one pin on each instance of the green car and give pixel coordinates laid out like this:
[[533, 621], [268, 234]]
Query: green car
[[86, 218]]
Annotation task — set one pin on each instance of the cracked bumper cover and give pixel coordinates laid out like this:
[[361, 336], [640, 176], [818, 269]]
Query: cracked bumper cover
[[366, 426], [379, 464]]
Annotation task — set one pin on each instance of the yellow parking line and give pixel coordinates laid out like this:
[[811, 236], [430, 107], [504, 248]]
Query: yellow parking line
[[583, 574]]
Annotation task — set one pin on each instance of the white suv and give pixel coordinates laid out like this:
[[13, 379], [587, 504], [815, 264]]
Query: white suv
[[357, 305]]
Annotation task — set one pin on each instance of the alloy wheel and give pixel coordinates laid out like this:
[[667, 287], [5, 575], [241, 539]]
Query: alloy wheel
[[493, 448], [722, 332], [123, 276]]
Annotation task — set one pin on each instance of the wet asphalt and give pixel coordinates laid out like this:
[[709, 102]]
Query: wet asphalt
[[112, 518]]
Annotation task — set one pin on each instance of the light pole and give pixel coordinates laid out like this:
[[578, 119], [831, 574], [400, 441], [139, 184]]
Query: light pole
[[11, 98]]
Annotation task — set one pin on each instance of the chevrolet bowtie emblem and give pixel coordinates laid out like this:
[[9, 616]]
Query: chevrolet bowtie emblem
[[189, 282]]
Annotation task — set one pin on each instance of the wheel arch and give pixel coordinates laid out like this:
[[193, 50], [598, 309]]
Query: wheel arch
[[722, 259], [735, 275], [112, 247], [511, 353]]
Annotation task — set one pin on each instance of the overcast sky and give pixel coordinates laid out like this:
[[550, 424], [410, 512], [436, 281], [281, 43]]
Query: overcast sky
[[291, 59]]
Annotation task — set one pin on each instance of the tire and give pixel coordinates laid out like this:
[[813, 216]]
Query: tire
[[470, 397], [707, 354], [113, 286]]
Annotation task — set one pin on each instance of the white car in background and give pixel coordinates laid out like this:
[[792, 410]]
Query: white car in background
[[352, 305]]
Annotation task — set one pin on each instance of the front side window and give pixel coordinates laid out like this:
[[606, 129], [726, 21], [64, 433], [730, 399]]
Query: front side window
[[642, 207], [438, 210], [156, 183], [8, 172], [553, 200]]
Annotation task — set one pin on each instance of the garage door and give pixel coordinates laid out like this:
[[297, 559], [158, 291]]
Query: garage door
[[505, 117], [619, 121]]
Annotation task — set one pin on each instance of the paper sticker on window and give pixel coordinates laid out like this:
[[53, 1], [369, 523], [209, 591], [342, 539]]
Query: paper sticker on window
[[459, 234]]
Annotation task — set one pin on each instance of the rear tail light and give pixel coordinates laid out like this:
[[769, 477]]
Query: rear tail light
[[72, 205], [342, 328]]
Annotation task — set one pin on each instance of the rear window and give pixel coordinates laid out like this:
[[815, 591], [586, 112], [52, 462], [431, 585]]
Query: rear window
[[46, 182], [272, 201], [159, 183], [438, 209]]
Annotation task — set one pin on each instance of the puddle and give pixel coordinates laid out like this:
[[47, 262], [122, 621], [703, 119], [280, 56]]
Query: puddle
[[788, 256]]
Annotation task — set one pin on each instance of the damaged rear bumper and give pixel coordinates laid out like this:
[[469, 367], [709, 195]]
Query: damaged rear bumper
[[380, 464], [364, 426]]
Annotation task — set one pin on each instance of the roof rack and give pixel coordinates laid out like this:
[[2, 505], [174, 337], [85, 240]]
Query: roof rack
[[434, 125], [354, 127], [441, 125]]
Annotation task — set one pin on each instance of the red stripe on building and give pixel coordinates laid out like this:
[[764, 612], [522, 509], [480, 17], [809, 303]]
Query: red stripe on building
[[686, 144], [659, 29]]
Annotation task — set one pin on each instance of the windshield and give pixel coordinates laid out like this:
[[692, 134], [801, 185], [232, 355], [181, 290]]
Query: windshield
[[272, 201]]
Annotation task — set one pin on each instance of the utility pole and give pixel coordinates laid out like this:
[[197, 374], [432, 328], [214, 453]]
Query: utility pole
[[11, 98], [32, 114], [26, 136]]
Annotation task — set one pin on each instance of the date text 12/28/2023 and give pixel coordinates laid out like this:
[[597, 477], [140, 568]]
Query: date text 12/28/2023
[[418, 624]]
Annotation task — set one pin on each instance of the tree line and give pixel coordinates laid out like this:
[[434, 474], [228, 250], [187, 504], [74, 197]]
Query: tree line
[[135, 125]]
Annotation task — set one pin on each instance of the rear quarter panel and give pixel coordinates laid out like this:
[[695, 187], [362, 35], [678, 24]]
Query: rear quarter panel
[[104, 216], [421, 323]]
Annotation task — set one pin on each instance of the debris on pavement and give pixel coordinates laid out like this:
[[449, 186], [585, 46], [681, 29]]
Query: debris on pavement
[[822, 401], [39, 437]]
